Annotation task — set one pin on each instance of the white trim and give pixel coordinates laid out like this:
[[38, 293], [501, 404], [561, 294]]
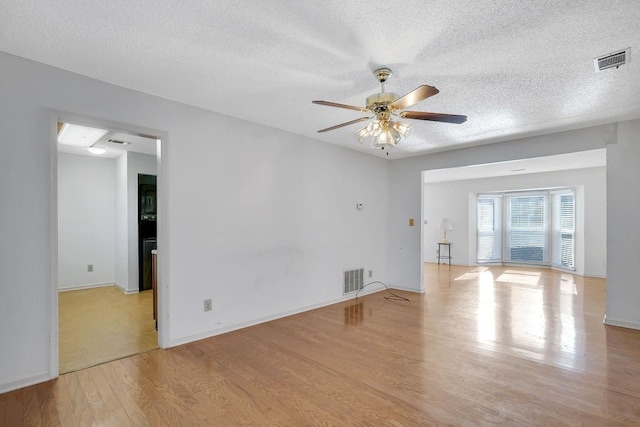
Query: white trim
[[53, 248], [423, 185], [87, 286], [422, 290], [126, 291], [54, 118], [162, 233], [237, 326], [24, 382], [621, 323]]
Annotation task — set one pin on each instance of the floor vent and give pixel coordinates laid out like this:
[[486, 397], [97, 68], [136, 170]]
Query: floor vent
[[353, 280], [611, 60]]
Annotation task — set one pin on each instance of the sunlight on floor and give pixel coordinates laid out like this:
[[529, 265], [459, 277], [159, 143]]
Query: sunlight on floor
[[474, 274], [567, 284], [520, 277], [516, 310]]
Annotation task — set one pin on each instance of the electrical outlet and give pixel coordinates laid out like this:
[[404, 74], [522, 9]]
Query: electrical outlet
[[207, 305], [370, 273], [89, 268]]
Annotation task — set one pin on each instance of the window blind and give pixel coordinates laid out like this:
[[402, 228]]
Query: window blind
[[527, 228], [564, 230], [488, 229]]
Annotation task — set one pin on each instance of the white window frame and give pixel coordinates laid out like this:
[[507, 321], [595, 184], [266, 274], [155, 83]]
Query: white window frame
[[552, 256], [558, 232], [496, 233]]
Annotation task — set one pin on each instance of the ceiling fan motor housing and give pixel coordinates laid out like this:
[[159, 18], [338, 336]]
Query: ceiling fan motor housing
[[379, 104]]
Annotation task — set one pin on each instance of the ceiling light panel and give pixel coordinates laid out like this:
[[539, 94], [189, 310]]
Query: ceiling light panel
[[80, 136]]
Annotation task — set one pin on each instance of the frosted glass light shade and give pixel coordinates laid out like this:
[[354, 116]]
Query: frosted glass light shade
[[96, 150], [384, 134]]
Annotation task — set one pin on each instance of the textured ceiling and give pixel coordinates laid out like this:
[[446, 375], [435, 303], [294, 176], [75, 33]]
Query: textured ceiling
[[514, 68]]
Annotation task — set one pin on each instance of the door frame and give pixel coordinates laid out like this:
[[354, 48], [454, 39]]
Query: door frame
[[162, 222]]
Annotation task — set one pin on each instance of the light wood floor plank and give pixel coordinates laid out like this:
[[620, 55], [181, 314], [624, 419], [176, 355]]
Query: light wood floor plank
[[98, 325], [482, 346]]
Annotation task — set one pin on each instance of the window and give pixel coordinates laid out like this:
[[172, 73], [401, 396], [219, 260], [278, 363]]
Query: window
[[564, 231], [526, 231], [489, 230], [534, 227]]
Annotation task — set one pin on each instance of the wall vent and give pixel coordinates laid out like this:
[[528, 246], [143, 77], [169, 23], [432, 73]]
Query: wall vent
[[117, 141], [353, 280], [611, 60]]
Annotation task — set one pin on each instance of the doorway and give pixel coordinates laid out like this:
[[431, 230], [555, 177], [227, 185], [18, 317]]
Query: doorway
[[99, 302]]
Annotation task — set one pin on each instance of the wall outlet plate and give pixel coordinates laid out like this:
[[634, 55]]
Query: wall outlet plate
[[89, 268], [207, 305]]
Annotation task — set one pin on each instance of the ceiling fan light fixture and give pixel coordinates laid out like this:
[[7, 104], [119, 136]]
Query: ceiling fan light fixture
[[395, 136], [404, 129], [362, 134], [381, 140], [374, 128], [383, 131]]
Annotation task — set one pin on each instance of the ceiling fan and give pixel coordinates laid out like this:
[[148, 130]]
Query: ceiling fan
[[384, 131]]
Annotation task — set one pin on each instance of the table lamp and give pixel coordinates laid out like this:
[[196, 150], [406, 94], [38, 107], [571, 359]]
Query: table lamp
[[445, 225]]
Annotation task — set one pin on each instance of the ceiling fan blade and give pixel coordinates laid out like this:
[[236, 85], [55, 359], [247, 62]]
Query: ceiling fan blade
[[434, 117], [361, 119], [418, 94], [348, 107]]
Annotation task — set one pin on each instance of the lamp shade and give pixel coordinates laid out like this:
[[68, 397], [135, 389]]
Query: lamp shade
[[445, 224]]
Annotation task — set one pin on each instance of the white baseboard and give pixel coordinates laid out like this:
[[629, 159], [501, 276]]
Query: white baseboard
[[230, 328], [25, 382], [402, 288], [126, 291], [87, 286], [621, 323]]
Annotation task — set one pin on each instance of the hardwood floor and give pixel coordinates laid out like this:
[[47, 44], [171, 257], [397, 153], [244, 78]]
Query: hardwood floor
[[504, 346], [102, 324]]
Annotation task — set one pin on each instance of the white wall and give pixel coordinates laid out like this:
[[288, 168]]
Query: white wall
[[406, 186], [261, 221], [85, 220], [121, 223], [623, 232], [264, 222], [451, 199]]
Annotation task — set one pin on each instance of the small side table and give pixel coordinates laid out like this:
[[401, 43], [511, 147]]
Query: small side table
[[448, 255]]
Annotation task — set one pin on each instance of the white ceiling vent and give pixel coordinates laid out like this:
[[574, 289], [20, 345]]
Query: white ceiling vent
[[611, 60], [117, 141]]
